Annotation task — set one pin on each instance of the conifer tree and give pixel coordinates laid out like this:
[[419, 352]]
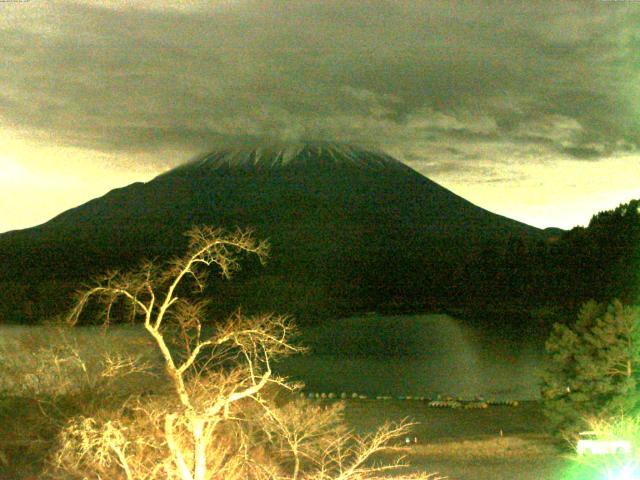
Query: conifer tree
[[592, 367]]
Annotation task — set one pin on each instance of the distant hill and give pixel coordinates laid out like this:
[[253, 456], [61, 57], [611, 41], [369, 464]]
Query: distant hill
[[351, 230]]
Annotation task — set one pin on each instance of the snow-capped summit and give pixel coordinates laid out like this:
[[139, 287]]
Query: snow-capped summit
[[276, 155]]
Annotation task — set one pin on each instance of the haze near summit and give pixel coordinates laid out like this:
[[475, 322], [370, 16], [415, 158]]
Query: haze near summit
[[530, 109]]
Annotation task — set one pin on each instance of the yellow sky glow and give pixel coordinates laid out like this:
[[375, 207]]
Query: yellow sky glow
[[39, 181], [563, 193]]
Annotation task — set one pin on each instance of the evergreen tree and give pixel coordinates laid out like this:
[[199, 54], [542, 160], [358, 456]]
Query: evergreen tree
[[592, 367]]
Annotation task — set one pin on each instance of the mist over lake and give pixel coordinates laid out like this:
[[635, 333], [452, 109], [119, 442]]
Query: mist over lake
[[417, 355]]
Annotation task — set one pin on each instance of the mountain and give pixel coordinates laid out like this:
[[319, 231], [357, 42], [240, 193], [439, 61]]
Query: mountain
[[351, 229]]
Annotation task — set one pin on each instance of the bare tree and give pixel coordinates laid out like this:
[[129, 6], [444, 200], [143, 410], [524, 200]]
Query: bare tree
[[209, 427], [321, 447]]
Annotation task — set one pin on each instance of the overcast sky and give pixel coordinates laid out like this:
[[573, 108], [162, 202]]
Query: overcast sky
[[529, 109]]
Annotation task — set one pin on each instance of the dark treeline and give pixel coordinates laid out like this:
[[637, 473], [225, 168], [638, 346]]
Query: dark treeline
[[599, 262], [558, 270]]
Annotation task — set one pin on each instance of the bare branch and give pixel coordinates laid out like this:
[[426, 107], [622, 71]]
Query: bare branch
[[220, 417]]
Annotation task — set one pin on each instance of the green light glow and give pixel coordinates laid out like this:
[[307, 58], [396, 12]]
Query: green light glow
[[626, 472], [602, 467]]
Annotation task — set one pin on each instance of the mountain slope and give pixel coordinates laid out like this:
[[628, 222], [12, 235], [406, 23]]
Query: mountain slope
[[338, 218]]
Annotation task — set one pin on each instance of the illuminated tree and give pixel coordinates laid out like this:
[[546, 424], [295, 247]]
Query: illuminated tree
[[221, 418]]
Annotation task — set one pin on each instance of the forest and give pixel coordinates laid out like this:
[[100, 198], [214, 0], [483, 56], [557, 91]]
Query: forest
[[556, 272]]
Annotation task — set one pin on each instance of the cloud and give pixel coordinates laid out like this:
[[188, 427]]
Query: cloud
[[532, 79]]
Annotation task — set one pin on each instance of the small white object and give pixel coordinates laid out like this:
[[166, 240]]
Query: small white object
[[590, 444]]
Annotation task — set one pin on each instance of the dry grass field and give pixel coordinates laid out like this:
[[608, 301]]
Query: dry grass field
[[466, 444], [513, 457]]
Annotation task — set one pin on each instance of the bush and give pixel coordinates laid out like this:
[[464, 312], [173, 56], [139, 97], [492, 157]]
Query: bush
[[51, 373]]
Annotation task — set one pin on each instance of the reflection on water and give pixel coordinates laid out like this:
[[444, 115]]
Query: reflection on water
[[421, 355]]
